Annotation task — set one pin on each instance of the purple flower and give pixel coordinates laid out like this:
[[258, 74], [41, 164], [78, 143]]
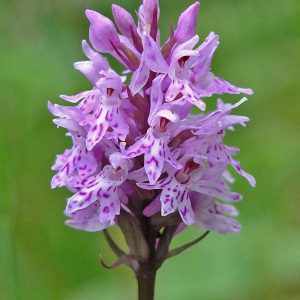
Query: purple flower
[[154, 146], [103, 191], [191, 76], [208, 141], [137, 150], [214, 216], [76, 161], [203, 80], [88, 219], [108, 113], [177, 186], [188, 74]]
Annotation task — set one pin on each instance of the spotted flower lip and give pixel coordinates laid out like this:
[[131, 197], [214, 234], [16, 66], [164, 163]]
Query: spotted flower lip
[[135, 142], [75, 161], [88, 219], [101, 189], [156, 152], [177, 186]]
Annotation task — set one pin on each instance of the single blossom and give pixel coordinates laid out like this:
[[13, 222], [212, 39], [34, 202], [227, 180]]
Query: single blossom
[[108, 113], [154, 145], [214, 216], [209, 131], [103, 190], [177, 186]]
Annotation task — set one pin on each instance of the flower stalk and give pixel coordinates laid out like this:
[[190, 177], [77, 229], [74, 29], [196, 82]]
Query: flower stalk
[[146, 283]]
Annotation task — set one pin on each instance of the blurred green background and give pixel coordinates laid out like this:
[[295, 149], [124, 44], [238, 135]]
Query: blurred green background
[[41, 258]]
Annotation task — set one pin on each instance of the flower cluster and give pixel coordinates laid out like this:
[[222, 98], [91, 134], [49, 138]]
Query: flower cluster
[[135, 141]]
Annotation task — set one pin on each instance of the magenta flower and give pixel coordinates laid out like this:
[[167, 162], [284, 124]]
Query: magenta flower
[[139, 158], [154, 146], [102, 190]]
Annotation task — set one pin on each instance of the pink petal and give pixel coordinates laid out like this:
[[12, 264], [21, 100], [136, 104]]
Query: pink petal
[[153, 56], [123, 20], [187, 23]]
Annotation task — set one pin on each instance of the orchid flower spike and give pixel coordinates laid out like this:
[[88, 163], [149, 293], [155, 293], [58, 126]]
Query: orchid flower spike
[[140, 159]]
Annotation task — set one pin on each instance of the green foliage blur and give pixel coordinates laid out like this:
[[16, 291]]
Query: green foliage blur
[[41, 258]]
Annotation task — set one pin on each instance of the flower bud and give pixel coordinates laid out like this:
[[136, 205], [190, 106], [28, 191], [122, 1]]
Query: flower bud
[[187, 23], [123, 20], [103, 34], [150, 6]]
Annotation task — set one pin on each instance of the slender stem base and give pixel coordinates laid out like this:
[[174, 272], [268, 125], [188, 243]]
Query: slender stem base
[[146, 285]]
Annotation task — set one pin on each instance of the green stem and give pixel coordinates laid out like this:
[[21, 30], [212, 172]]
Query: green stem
[[146, 283]]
